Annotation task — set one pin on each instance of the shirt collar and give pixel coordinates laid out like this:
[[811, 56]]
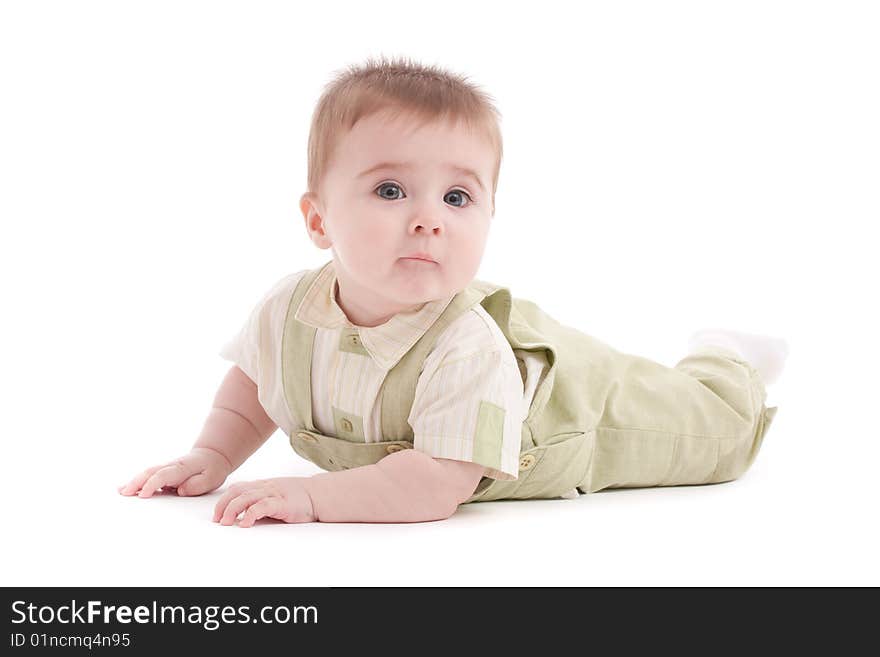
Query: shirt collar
[[386, 343]]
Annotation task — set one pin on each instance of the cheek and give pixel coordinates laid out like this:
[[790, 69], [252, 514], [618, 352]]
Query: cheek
[[368, 238], [466, 253], [366, 247], [365, 233], [469, 240]]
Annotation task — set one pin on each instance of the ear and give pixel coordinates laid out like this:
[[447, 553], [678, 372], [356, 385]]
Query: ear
[[309, 205]]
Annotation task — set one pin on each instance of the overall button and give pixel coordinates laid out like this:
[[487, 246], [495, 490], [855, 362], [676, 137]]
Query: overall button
[[526, 461], [353, 339], [394, 448], [346, 424]]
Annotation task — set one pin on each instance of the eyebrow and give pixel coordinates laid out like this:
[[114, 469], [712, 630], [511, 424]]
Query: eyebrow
[[383, 166]]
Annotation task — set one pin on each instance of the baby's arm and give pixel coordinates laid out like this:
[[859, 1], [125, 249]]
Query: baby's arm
[[237, 424], [407, 486]]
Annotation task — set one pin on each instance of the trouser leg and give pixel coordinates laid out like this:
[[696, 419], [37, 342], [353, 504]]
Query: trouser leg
[[699, 422]]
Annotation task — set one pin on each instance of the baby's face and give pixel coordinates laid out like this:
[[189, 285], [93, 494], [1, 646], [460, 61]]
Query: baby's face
[[375, 216]]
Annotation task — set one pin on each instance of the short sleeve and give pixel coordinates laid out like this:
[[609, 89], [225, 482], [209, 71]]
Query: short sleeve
[[243, 347], [468, 404], [256, 347]]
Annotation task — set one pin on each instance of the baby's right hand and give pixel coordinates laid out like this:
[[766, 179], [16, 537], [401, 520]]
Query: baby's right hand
[[196, 473]]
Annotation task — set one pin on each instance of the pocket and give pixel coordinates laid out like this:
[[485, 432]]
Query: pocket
[[546, 471]]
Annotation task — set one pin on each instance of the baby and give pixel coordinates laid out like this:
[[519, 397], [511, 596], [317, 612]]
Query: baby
[[419, 388]]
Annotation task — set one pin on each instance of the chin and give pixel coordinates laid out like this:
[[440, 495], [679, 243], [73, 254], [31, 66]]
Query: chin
[[414, 292]]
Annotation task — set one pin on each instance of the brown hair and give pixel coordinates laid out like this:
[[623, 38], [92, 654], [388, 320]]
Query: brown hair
[[399, 86]]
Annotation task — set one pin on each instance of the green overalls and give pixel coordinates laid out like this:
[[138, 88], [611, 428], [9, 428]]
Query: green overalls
[[599, 418]]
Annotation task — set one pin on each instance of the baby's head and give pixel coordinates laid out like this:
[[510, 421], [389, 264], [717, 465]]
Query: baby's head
[[403, 161]]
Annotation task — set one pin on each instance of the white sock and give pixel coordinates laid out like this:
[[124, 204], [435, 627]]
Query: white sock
[[763, 352]]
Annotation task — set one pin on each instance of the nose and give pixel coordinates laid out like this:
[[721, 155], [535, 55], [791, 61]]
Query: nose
[[425, 224]]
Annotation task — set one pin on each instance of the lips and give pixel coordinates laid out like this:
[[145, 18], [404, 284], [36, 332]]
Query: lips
[[420, 255]]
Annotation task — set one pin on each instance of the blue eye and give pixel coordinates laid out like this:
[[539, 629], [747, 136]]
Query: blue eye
[[461, 193], [386, 191], [388, 186]]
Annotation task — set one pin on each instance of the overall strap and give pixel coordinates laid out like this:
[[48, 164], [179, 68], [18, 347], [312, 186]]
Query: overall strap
[[297, 341], [399, 387]]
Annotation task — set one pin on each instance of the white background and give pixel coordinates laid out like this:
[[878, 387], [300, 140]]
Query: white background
[[678, 165]]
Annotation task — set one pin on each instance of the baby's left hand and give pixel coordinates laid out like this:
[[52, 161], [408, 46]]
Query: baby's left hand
[[284, 498]]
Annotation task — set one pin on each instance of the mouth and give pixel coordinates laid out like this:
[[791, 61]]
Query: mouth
[[423, 257]]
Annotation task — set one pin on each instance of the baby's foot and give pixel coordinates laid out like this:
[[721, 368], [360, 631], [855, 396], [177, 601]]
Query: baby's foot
[[765, 353]]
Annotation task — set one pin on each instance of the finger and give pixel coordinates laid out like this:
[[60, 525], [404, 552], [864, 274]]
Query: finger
[[239, 504], [135, 484], [195, 485], [268, 506], [231, 493], [170, 475]]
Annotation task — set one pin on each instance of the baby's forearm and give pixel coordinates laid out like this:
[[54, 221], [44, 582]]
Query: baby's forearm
[[407, 486], [237, 424]]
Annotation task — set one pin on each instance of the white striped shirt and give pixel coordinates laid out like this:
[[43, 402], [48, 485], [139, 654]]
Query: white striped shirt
[[470, 399]]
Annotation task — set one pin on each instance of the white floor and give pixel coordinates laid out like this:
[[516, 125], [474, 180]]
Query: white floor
[[805, 513]]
